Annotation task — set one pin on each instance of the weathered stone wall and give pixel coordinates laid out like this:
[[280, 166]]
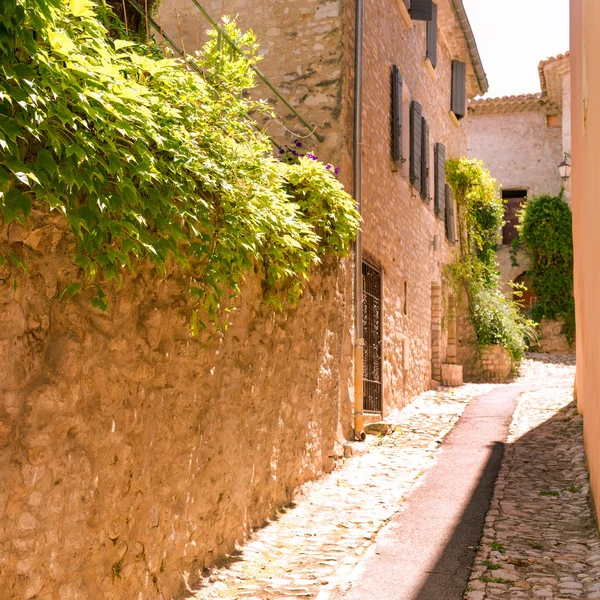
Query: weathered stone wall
[[129, 453], [302, 49], [519, 149], [551, 338], [522, 152], [399, 227]]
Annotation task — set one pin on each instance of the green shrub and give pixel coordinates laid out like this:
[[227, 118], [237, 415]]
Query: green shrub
[[152, 162], [495, 318], [547, 236]]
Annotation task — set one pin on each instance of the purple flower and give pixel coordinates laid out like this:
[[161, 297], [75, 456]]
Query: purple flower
[[328, 167], [337, 170], [281, 150]]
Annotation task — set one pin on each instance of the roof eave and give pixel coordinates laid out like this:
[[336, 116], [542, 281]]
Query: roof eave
[[465, 26]]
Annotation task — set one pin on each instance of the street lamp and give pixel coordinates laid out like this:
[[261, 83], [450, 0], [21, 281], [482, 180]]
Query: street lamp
[[565, 167]]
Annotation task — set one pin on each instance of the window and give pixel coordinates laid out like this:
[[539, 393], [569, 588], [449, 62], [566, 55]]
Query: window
[[514, 200], [421, 10], [416, 123], [432, 37], [440, 181], [424, 160], [396, 116], [458, 102], [552, 121], [450, 216], [372, 362]]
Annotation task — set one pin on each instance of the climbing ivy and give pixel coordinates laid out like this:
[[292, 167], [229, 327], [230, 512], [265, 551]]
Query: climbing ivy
[[547, 237], [495, 318], [152, 162]]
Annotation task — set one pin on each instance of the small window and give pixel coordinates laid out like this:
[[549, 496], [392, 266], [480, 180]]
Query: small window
[[552, 121], [432, 37], [421, 10], [513, 202], [405, 299], [424, 160], [396, 117], [439, 195], [458, 102], [450, 216], [416, 122]]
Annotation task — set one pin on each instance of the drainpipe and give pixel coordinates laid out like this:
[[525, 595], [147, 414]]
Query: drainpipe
[[357, 186]]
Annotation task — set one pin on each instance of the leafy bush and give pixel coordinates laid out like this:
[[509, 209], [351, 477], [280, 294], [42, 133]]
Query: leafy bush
[[495, 318], [150, 161], [547, 236]]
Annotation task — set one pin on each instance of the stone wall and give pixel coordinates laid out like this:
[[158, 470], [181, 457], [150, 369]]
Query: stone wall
[[399, 227], [519, 149], [551, 339], [308, 54], [302, 49], [130, 454]]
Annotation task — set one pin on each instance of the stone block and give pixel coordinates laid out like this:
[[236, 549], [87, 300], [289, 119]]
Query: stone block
[[452, 375]]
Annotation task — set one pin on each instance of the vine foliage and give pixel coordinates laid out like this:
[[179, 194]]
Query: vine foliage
[[151, 162], [547, 236], [495, 318]]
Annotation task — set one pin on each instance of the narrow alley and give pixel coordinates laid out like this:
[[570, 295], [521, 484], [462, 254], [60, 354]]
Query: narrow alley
[[538, 541]]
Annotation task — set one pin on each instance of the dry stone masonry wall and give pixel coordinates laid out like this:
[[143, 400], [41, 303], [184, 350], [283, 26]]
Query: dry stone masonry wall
[[130, 454]]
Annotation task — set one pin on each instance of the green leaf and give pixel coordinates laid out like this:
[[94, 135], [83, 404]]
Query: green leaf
[[46, 161], [81, 8], [70, 290], [17, 261]]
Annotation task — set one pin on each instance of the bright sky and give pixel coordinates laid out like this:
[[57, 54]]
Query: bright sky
[[513, 36]]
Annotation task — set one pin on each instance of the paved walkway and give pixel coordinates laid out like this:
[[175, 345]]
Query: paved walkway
[[427, 550], [539, 541], [313, 547]]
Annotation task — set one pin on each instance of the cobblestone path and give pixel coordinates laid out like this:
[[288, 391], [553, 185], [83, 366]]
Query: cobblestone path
[[314, 546], [539, 540]]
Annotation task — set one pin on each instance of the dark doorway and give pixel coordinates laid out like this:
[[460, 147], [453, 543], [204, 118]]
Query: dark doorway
[[514, 201], [372, 375]]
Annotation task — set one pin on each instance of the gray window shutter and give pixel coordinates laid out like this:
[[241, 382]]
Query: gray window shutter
[[450, 216], [459, 89], [415, 144], [424, 160], [432, 37], [440, 181], [421, 10], [396, 116]]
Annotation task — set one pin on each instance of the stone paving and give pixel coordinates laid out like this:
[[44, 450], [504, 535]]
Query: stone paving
[[314, 546], [540, 541]]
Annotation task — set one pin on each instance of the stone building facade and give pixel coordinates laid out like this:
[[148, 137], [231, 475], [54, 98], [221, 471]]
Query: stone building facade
[[522, 140], [134, 456]]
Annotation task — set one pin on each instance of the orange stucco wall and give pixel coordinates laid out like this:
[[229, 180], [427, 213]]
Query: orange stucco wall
[[585, 73]]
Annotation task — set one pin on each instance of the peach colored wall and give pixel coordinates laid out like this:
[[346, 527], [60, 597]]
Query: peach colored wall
[[585, 123]]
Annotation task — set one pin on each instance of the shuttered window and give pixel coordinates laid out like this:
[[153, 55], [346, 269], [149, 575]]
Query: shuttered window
[[432, 37], [415, 144], [450, 216], [396, 116], [424, 160], [440, 181], [458, 103], [421, 10]]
